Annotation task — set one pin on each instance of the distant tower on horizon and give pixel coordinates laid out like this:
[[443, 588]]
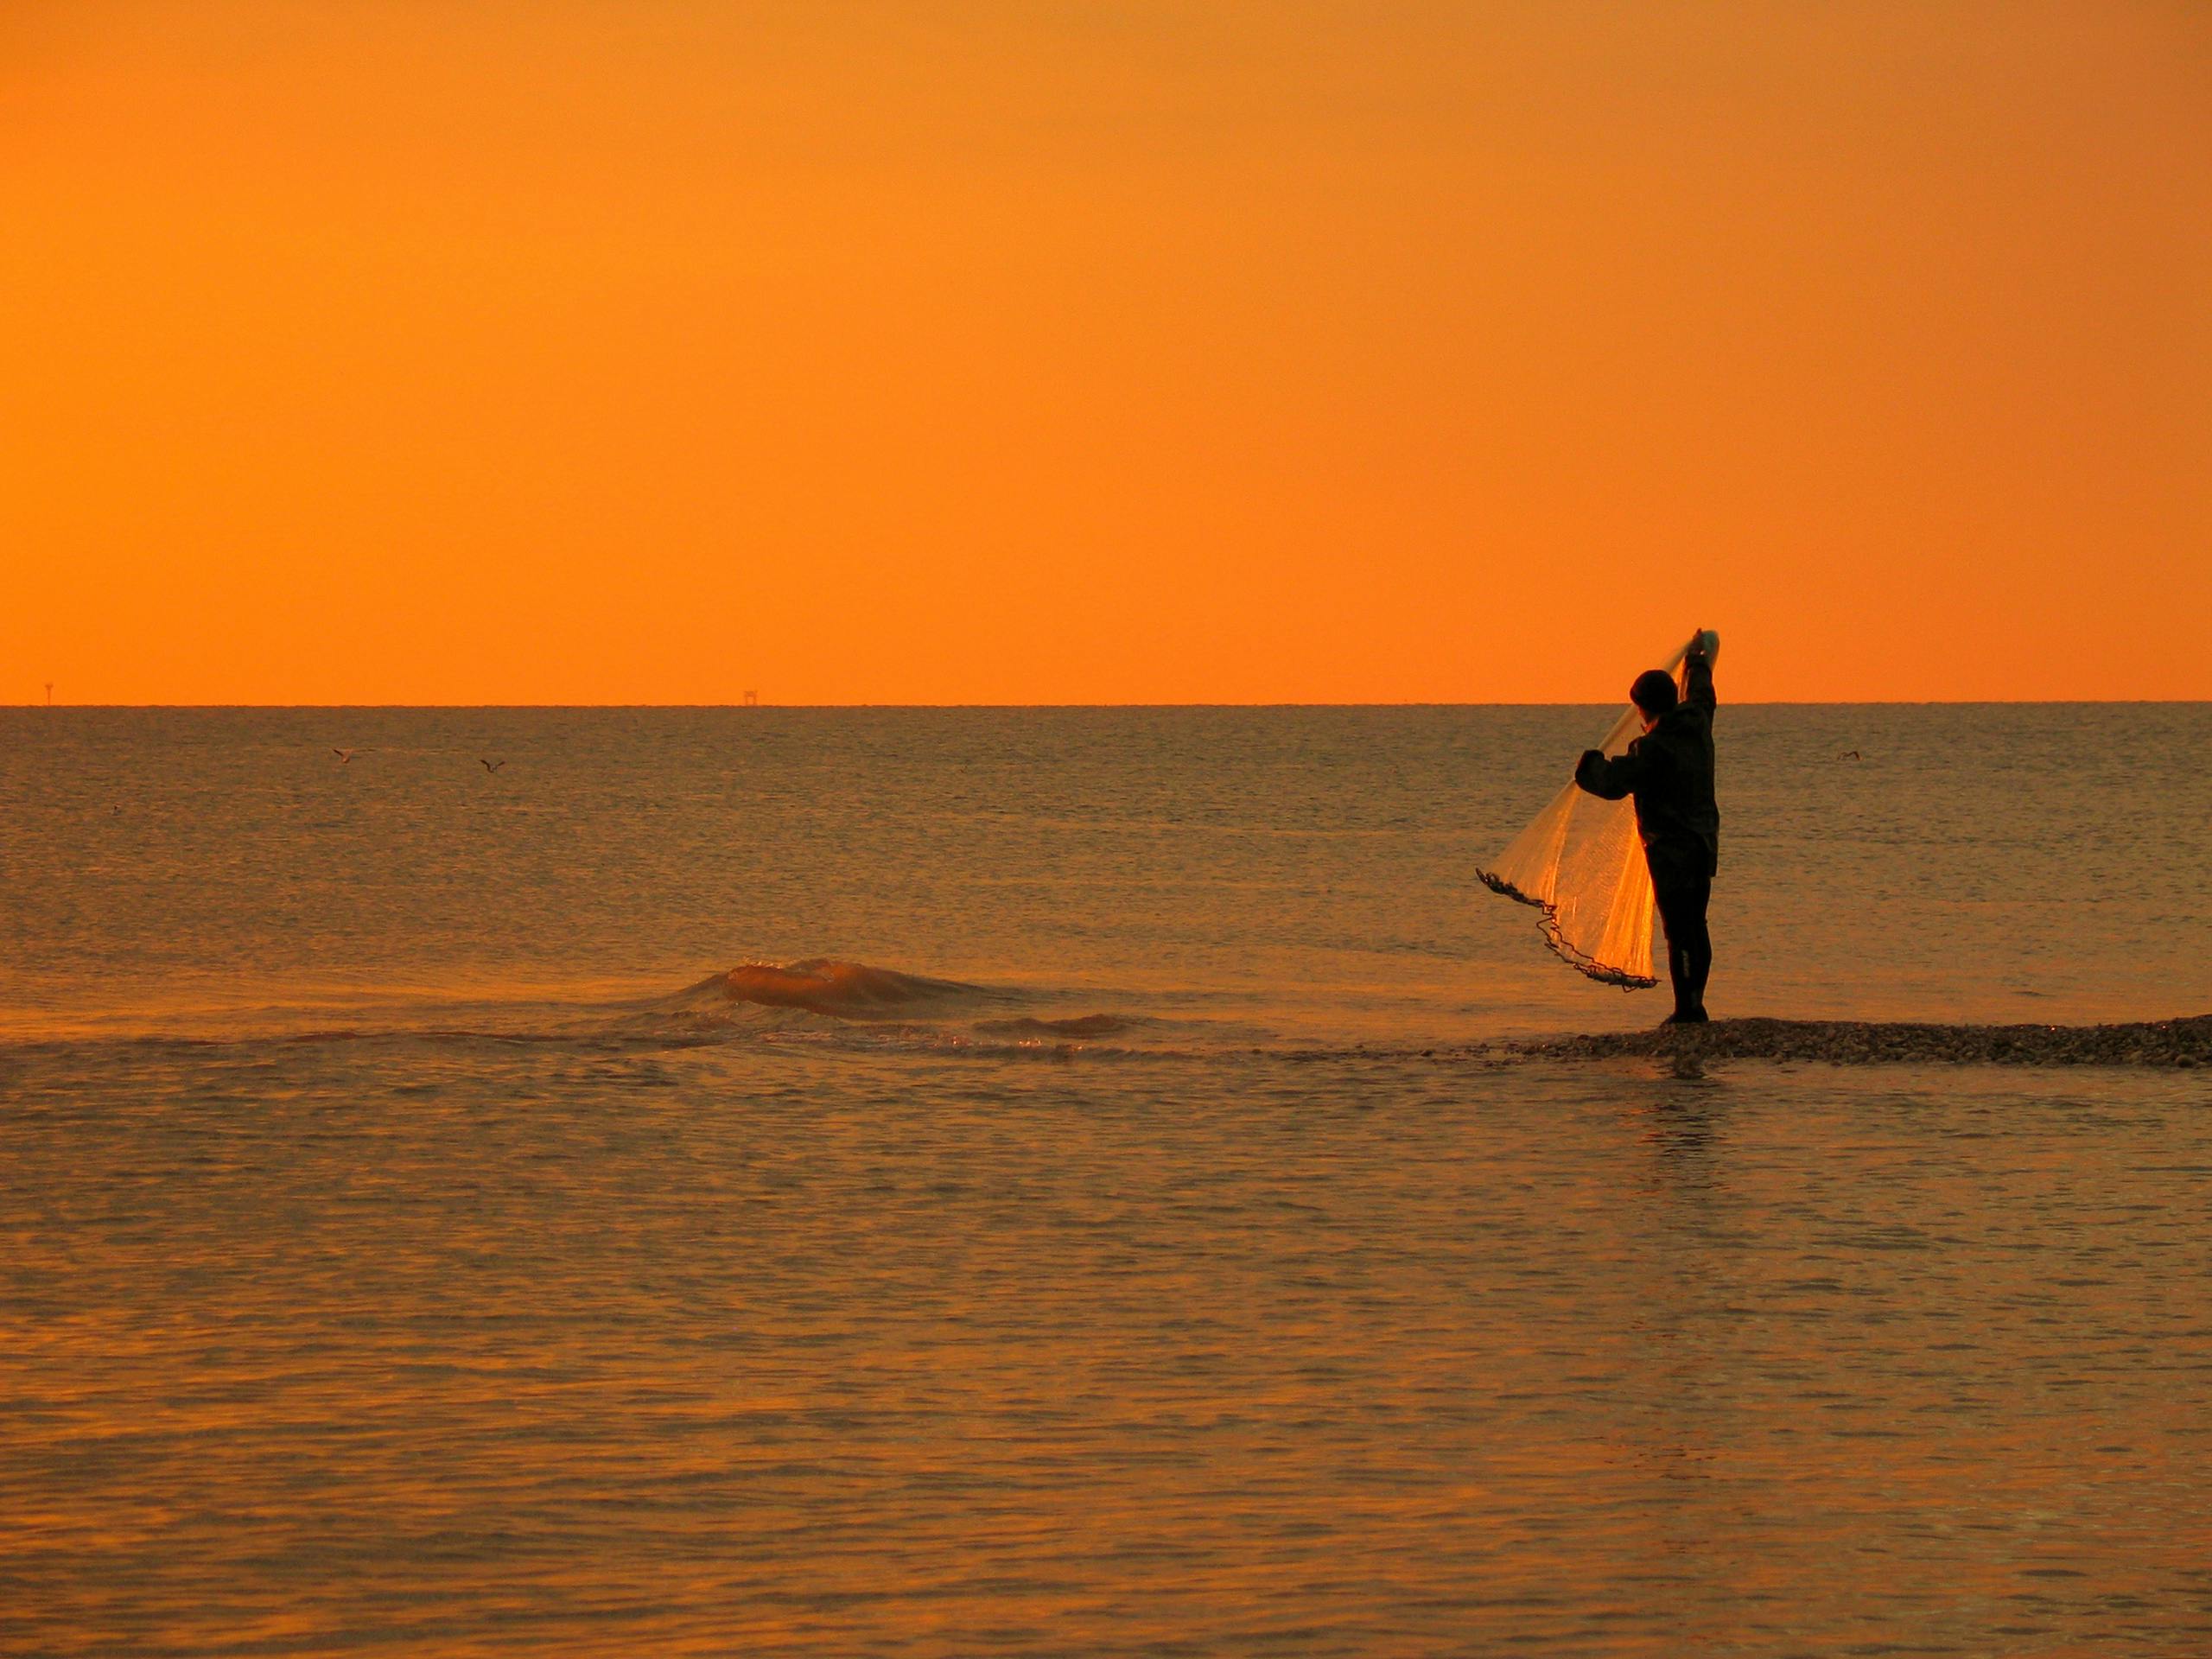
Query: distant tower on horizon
[[753, 699], [49, 694]]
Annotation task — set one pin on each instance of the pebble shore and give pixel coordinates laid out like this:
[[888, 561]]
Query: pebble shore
[[2180, 1043]]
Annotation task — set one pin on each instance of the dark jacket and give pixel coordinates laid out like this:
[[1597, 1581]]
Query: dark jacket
[[1670, 771]]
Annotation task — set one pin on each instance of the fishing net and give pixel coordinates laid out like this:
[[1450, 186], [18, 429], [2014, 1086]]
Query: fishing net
[[1581, 863]]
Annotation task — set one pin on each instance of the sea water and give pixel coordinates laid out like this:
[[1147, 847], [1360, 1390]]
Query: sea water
[[1087, 1222]]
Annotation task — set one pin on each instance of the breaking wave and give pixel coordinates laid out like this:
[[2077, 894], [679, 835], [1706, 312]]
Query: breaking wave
[[854, 1005], [825, 985], [837, 1005]]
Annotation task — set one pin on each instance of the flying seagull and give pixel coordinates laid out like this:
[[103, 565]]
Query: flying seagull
[[1851, 755], [344, 755], [489, 765]]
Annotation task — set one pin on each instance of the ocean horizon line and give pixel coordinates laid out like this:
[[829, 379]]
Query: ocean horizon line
[[763, 708]]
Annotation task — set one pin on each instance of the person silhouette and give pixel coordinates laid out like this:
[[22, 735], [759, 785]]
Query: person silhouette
[[1669, 772]]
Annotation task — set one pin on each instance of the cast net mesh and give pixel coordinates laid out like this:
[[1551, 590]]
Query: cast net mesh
[[1581, 863]]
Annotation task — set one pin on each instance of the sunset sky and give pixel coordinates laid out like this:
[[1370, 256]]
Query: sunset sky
[[651, 351]]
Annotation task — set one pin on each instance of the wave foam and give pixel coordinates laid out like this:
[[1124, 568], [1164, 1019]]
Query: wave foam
[[1087, 1025]]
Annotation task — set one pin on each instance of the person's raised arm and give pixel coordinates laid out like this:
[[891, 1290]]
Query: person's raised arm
[[1697, 663], [1608, 779]]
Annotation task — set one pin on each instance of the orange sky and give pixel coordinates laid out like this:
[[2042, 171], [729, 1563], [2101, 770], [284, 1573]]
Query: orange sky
[[485, 351]]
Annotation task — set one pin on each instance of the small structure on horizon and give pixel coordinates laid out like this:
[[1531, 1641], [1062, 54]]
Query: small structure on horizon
[[49, 694], [753, 699]]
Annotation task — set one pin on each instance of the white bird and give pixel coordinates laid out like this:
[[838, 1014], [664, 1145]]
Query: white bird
[[344, 755]]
